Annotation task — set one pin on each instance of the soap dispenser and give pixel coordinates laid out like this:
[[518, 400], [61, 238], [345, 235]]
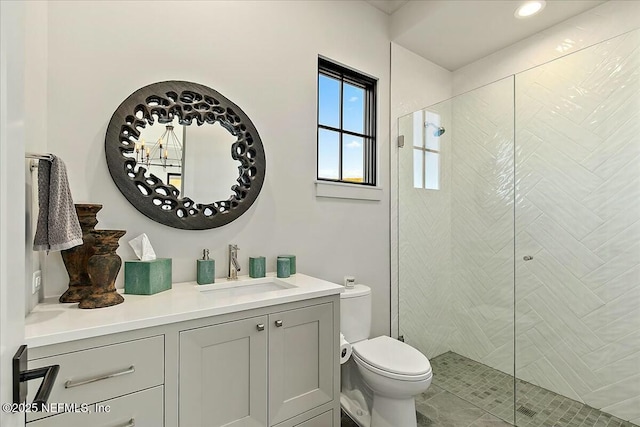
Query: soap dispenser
[[206, 269]]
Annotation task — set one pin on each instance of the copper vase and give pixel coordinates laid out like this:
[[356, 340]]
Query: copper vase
[[76, 259], [102, 268]]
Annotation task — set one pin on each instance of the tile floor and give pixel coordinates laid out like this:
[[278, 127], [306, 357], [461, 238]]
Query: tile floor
[[465, 393], [440, 408]]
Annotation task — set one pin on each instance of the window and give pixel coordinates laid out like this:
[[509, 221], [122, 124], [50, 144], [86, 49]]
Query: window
[[346, 125], [426, 150]]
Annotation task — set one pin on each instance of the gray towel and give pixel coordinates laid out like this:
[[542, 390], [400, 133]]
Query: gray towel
[[58, 225]]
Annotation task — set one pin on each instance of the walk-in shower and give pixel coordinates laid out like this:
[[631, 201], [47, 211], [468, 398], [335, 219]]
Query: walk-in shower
[[519, 272]]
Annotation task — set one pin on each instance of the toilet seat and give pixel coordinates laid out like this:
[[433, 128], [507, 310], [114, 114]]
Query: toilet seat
[[391, 375], [393, 359]]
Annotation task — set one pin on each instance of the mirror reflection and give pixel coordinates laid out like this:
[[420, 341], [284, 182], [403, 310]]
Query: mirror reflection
[[194, 159]]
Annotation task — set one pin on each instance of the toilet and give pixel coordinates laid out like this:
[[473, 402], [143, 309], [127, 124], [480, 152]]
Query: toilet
[[383, 375]]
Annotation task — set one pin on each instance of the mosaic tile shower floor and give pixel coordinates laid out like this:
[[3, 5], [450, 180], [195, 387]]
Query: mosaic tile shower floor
[[465, 393]]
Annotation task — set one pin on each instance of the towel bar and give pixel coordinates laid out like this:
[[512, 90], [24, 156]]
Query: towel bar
[[35, 156]]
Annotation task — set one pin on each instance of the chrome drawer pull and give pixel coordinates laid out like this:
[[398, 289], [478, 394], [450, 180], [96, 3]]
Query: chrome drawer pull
[[279, 323], [71, 383], [131, 423]]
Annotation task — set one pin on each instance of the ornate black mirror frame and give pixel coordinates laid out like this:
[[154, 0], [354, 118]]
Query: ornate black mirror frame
[[189, 102]]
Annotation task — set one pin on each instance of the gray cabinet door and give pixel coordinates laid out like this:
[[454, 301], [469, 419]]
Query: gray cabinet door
[[223, 375], [301, 356]]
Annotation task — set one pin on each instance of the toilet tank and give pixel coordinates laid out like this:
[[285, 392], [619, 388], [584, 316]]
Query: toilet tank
[[355, 313]]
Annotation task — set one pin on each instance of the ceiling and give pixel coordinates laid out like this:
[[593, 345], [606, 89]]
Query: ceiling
[[454, 33]]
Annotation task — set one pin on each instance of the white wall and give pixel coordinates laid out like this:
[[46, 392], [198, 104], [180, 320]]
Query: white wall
[[36, 58], [262, 56], [415, 83]]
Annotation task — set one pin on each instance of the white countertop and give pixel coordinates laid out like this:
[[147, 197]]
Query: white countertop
[[51, 322]]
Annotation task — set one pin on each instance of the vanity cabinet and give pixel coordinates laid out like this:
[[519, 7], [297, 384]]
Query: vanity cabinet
[[260, 371], [183, 358]]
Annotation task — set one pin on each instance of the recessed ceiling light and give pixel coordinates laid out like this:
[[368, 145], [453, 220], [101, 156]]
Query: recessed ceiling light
[[529, 8]]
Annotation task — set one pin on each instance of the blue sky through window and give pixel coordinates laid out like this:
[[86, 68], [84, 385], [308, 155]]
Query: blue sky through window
[[353, 108], [352, 120], [328, 151], [329, 101]]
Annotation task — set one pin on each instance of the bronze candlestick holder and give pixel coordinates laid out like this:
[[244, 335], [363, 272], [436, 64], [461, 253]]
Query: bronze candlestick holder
[[76, 259], [94, 265], [102, 268]]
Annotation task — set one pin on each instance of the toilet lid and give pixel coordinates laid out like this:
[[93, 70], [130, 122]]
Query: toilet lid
[[393, 356]]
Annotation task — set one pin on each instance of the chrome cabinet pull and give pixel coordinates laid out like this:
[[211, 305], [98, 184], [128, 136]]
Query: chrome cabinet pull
[[260, 326], [527, 258], [131, 423], [69, 384], [278, 323]]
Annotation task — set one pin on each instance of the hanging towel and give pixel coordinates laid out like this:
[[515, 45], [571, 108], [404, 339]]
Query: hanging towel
[[58, 226]]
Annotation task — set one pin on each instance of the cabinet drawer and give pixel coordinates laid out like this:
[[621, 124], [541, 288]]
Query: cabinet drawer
[[102, 373], [322, 420], [141, 409]]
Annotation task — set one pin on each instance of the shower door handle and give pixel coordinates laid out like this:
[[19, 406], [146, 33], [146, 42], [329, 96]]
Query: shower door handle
[[527, 258]]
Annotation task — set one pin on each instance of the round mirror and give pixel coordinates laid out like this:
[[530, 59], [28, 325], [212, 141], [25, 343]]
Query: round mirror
[[184, 155]]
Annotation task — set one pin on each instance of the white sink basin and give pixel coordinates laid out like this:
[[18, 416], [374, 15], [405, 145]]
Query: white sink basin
[[235, 288]]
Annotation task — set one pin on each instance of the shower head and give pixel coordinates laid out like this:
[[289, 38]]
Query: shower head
[[439, 129]]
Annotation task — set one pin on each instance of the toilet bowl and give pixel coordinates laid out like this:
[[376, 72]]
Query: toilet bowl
[[395, 372], [392, 368], [391, 372]]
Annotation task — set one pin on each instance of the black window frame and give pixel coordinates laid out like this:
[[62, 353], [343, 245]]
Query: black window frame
[[369, 85]]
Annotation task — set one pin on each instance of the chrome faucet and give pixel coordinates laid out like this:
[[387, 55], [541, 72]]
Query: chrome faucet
[[234, 266]]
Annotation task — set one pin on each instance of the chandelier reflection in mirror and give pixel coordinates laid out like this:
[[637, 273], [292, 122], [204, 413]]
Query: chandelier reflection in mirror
[[166, 152]]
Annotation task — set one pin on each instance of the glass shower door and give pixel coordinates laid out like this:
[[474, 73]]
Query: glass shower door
[[456, 270], [578, 238], [424, 215]]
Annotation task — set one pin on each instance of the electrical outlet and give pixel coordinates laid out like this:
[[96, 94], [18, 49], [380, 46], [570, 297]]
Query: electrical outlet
[[36, 281]]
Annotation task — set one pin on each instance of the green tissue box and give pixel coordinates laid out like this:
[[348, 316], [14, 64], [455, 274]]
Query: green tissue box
[[147, 277]]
